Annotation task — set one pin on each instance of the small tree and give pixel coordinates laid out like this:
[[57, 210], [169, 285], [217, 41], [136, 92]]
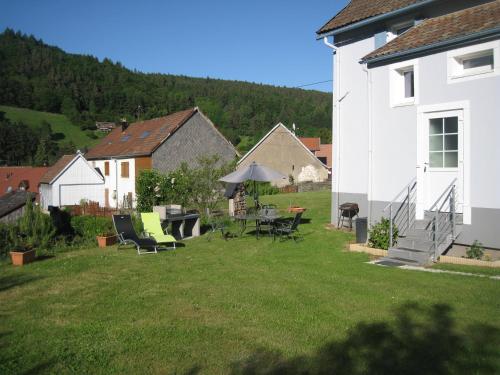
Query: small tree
[[208, 191], [36, 227]]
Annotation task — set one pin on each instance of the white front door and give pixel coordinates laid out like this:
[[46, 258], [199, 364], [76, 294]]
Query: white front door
[[442, 156]]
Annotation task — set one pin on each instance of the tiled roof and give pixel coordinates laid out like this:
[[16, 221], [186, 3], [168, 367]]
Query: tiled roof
[[358, 10], [325, 151], [311, 143], [13, 176], [13, 200], [56, 168], [441, 29], [140, 138]]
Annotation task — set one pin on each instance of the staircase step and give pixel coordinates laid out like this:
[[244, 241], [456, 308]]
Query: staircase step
[[422, 224], [396, 262], [420, 244], [409, 255], [418, 234]]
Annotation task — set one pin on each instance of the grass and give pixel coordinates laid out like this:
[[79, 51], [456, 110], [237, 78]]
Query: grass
[[60, 124], [245, 306], [469, 269]]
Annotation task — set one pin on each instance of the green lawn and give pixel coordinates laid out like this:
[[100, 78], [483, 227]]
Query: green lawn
[[486, 271], [60, 124], [245, 306]]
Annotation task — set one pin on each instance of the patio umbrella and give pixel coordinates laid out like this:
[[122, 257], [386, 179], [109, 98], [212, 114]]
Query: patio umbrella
[[254, 172]]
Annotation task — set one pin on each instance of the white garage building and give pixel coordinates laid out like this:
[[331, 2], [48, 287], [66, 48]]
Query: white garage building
[[69, 181]]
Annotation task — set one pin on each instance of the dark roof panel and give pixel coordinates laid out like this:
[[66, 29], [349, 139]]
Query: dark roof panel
[[440, 29], [56, 168], [12, 201], [358, 10], [140, 138]]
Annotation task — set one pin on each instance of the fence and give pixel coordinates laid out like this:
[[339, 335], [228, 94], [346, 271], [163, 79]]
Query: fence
[[91, 209], [302, 187]]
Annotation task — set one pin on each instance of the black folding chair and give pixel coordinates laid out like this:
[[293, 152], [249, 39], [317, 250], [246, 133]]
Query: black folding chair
[[288, 229], [127, 235], [217, 223]]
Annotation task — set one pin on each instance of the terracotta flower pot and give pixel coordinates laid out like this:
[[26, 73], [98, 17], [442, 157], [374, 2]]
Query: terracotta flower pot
[[104, 241], [20, 258], [296, 209]]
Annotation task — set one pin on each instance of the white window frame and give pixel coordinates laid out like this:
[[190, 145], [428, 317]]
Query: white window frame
[[396, 78], [454, 58], [393, 30]]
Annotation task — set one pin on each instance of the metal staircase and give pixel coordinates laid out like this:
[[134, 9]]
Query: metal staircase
[[421, 242]]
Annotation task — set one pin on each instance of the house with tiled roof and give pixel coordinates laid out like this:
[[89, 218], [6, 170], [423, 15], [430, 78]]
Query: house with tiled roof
[[281, 150], [321, 150], [162, 144], [25, 178], [415, 120]]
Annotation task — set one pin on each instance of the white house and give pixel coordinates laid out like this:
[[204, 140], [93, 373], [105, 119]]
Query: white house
[[70, 180], [415, 121]]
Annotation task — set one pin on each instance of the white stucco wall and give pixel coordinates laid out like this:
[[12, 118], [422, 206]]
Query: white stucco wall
[[395, 130], [125, 184], [350, 173]]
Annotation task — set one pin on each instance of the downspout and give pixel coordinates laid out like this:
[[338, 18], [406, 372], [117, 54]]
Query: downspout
[[370, 141], [116, 181], [336, 120]]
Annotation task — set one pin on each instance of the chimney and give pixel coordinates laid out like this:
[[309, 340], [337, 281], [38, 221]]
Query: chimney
[[124, 124], [24, 185]]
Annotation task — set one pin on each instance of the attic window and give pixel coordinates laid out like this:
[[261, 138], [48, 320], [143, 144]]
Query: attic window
[[399, 29], [478, 61], [125, 138], [474, 63], [145, 134]]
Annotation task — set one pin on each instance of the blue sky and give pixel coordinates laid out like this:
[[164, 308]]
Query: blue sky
[[259, 41]]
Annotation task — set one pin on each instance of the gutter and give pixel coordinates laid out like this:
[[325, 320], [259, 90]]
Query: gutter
[[477, 37], [377, 18]]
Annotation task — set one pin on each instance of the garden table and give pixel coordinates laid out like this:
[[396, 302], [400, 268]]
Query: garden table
[[258, 218]]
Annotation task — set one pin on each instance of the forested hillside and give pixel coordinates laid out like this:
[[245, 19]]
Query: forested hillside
[[45, 78]]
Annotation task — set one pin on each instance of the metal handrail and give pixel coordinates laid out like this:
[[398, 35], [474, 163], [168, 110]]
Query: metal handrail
[[408, 189], [401, 192], [442, 195], [438, 232]]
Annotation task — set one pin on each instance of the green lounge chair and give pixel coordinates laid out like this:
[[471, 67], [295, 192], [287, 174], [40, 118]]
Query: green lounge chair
[[152, 227]]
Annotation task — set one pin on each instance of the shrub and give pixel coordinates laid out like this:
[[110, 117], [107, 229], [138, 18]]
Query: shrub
[[263, 188], [476, 251], [379, 234], [148, 187], [198, 188], [5, 243], [36, 227], [88, 227]]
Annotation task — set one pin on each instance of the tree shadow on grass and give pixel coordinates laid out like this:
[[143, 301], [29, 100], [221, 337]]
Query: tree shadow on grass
[[420, 340], [10, 364], [10, 281]]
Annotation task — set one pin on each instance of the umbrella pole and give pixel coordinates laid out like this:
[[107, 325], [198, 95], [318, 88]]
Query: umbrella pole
[[255, 195]]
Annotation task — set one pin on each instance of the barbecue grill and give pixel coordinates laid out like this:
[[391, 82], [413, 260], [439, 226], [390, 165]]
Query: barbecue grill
[[347, 211]]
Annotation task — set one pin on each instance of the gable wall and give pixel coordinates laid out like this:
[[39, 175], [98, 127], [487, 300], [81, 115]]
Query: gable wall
[[283, 153], [78, 182], [194, 139]]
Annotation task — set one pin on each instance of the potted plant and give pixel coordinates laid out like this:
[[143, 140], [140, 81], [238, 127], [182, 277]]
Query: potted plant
[[106, 239], [22, 252]]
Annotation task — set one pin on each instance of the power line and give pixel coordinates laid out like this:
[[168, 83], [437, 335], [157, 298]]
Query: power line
[[312, 84]]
